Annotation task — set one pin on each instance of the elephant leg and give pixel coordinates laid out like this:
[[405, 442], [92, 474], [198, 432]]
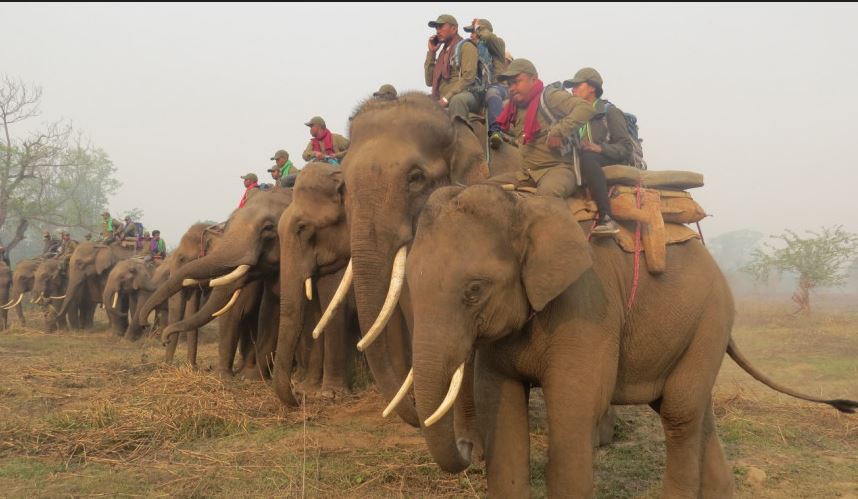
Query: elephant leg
[[503, 421], [335, 379], [268, 324], [229, 331], [20, 311], [717, 477], [605, 429], [192, 336]]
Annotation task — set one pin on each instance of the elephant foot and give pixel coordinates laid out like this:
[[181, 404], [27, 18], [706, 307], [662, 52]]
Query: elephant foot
[[605, 429], [332, 393], [225, 374], [250, 373], [306, 389]]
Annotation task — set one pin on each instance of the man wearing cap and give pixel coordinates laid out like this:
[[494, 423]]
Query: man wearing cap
[[451, 77], [48, 242], [67, 246], [482, 33], [251, 187], [385, 92], [157, 246], [324, 145], [605, 140], [110, 228], [540, 139], [130, 229], [283, 170]]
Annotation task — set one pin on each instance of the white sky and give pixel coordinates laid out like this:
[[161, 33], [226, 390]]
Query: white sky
[[760, 98]]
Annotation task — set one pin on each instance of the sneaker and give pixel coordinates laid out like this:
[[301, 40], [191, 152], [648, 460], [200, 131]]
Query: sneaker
[[495, 140], [605, 227]]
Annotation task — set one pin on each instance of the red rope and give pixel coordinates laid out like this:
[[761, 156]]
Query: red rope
[[636, 276]]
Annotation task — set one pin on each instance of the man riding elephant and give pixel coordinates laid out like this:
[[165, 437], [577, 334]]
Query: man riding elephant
[[324, 145]]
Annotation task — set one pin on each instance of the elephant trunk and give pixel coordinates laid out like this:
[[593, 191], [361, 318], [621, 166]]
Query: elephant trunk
[[220, 297], [433, 373], [111, 299], [74, 288], [293, 303]]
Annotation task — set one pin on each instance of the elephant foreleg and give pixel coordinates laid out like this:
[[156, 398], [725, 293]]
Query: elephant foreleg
[[192, 336], [19, 309], [335, 377], [268, 326]]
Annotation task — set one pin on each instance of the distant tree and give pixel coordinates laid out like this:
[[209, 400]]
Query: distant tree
[[820, 260], [50, 175]]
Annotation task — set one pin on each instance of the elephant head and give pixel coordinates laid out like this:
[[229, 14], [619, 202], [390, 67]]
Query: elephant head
[[89, 266], [23, 279], [128, 282], [482, 261], [49, 290], [314, 241]]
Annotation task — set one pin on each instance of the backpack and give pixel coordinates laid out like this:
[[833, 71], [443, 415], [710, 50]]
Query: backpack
[[139, 226], [485, 68], [570, 144], [632, 124]]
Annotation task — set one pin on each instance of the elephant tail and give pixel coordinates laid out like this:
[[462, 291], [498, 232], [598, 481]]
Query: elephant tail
[[842, 405]]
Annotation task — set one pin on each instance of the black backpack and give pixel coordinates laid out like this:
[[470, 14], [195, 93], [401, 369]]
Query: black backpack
[[637, 159]]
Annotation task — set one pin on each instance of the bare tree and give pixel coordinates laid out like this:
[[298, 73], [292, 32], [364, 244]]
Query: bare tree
[[50, 175], [820, 260]]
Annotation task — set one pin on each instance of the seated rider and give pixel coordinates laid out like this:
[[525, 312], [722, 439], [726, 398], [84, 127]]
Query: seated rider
[[157, 246], [482, 34], [111, 228], [324, 145]]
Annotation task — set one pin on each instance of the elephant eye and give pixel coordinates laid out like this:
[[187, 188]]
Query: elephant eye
[[474, 291], [416, 179]]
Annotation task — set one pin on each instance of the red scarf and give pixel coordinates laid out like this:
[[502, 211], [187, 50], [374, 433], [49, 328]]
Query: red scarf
[[244, 198], [441, 71], [531, 123], [328, 137]]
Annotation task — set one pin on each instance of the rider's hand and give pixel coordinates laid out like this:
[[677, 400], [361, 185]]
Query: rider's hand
[[554, 142], [318, 154]]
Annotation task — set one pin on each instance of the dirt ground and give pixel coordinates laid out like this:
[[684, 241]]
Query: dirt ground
[[86, 414]]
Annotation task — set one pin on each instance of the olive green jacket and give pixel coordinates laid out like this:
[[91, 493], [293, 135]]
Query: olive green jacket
[[497, 49], [341, 145], [620, 146], [571, 113], [461, 76]]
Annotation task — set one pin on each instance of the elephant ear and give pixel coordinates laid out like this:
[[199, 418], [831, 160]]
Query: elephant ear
[[467, 162], [556, 251], [104, 260]]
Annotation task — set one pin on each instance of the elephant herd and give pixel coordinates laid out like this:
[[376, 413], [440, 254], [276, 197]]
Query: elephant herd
[[461, 295]]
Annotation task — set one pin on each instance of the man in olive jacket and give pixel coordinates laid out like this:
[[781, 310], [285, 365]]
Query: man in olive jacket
[[324, 145], [605, 140], [541, 140], [481, 32], [451, 79]]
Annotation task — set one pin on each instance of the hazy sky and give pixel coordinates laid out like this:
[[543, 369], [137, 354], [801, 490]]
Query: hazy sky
[[762, 99]]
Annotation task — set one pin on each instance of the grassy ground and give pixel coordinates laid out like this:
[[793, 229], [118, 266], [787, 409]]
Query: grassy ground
[[86, 414]]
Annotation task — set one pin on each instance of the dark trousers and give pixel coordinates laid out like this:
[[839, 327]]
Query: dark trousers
[[591, 172], [495, 96]]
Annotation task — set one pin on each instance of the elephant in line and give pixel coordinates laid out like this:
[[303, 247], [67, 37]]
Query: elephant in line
[[5, 286], [129, 284], [23, 278], [314, 255], [89, 266], [49, 288], [241, 271], [541, 306]]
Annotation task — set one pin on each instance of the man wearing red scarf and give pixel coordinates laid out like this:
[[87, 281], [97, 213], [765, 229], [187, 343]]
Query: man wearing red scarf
[[251, 187], [324, 145], [538, 140], [449, 78]]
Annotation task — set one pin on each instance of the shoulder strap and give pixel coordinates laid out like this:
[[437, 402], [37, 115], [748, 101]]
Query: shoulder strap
[[543, 106]]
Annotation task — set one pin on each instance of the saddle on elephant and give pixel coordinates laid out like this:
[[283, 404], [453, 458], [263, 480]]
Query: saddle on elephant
[[657, 200]]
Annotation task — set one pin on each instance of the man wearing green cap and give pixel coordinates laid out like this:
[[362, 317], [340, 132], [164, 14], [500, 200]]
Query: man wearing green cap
[[251, 187], [451, 77], [540, 138], [385, 92], [605, 140], [110, 228], [482, 34], [324, 145], [283, 168]]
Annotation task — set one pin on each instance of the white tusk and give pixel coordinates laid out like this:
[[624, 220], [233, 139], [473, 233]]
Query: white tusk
[[20, 297], [190, 282], [338, 298], [403, 391], [308, 288], [115, 298], [63, 297], [229, 304], [397, 277], [231, 277], [7, 304], [452, 393], [149, 317]]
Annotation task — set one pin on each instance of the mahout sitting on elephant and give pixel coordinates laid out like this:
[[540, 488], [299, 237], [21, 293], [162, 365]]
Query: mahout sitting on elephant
[[539, 305]]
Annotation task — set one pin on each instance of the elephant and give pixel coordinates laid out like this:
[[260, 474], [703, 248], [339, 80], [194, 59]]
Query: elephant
[[49, 289], [5, 286], [540, 305], [129, 284], [23, 278], [89, 267], [314, 254], [242, 273]]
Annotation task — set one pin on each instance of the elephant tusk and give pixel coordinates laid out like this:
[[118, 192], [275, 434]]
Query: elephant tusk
[[452, 393], [339, 297], [229, 304], [20, 297], [115, 298], [63, 297], [308, 288], [403, 391], [149, 317], [397, 277], [7, 303], [231, 277], [190, 282]]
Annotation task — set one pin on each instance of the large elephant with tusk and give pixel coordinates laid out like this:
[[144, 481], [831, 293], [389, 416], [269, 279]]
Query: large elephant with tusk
[[315, 275], [5, 286], [540, 305], [49, 290], [89, 266], [241, 273], [129, 284], [23, 278]]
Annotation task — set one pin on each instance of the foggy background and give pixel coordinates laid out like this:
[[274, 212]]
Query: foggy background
[[759, 98]]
